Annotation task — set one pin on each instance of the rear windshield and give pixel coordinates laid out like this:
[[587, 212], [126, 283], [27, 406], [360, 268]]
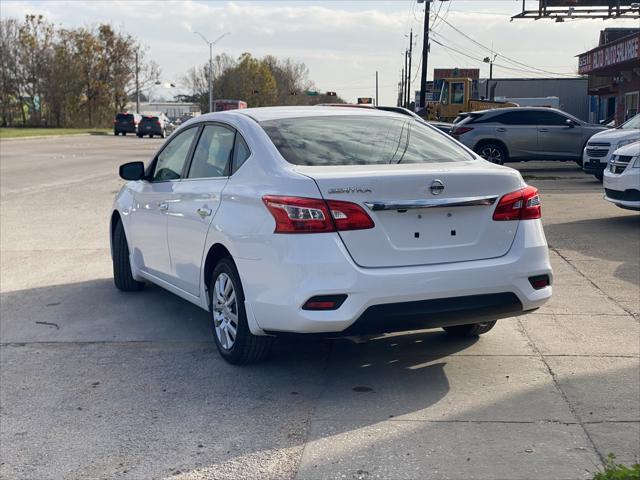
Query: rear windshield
[[149, 119], [124, 116], [360, 140]]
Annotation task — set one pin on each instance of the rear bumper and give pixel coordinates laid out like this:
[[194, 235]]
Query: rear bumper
[[390, 299], [124, 129]]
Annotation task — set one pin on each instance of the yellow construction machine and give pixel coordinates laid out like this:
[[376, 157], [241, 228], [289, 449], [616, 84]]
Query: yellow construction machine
[[455, 98]]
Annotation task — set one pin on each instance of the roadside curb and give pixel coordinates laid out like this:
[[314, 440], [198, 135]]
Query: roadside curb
[[38, 137]]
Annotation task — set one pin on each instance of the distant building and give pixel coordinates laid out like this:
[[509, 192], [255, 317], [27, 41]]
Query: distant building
[[572, 92], [170, 109], [613, 68]]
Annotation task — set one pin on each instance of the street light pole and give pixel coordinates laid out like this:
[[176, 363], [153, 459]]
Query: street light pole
[[211, 44]]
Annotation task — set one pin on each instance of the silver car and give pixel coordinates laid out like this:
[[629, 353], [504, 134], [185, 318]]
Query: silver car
[[524, 133]]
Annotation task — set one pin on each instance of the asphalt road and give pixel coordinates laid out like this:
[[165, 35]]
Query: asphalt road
[[96, 383]]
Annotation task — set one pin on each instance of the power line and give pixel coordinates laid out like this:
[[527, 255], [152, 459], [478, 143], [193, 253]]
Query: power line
[[507, 59], [482, 61]]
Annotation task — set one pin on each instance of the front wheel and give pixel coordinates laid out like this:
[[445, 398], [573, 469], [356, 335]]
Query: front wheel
[[472, 330], [599, 176], [122, 276], [492, 152], [234, 340]]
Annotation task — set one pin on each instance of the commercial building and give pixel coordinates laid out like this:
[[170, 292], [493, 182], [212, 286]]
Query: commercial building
[[170, 109], [613, 69]]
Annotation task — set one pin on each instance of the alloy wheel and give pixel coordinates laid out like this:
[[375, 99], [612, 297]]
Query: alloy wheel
[[492, 154], [225, 311]]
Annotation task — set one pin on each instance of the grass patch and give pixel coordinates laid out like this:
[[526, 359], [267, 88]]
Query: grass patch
[[616, 471], [39, 132]]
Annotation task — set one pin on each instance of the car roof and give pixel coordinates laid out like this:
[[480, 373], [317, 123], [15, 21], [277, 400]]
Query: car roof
[[262, 114], [514, 109]]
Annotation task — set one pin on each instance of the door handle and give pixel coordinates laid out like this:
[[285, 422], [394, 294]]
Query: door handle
[[543, 129], [204, 212], [163, 206], [501, 129]]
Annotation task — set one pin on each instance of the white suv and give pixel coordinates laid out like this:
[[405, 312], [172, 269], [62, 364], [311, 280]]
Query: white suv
[[317, 220], [601, 146], [622, 177]]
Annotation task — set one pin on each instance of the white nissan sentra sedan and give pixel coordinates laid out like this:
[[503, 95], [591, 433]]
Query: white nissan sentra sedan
[[319, 220]]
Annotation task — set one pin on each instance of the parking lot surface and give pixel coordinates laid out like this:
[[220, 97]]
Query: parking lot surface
[[96, 383]]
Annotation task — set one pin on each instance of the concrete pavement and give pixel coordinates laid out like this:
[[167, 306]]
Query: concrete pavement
[[97, 383]]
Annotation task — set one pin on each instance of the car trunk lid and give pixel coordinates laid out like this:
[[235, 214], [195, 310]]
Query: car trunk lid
[[423, 213]]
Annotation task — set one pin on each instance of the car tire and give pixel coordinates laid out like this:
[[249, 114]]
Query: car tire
[[228, 313], [599, 176], [151, 135], [492, 152], [124, 134], [139, 135], [116, 133], [122, 276], [472, 330], [162, 135]]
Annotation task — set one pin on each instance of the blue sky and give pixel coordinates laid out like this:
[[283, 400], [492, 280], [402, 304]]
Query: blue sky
[[342, 42]]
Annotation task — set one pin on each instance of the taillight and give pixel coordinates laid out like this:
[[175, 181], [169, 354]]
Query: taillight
[[460, 130], [522, 204], [313, 215]]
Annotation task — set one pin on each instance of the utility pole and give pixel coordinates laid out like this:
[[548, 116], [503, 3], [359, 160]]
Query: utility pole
[[406, 74], [137, 85], [425, 53], [409, 72], [401, 89], [377, 88]]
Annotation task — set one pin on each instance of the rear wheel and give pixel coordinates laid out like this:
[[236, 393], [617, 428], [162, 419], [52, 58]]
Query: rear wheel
[[115, 133], [122, 276], [472, 330], [234, 340], [124, 134], [139, 135], [492, 152], [599, 176]]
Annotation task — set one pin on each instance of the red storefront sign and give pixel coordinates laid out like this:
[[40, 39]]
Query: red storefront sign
[[624, 50]]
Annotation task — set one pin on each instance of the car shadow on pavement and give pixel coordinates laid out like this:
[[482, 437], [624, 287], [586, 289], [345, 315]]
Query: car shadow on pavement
[[159, 402], [583, 237]]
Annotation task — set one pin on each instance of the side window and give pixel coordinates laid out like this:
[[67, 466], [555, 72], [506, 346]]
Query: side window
[[515, 118], [551, 118], [171, 159], [240, 153], [213, 152], [457, 93]]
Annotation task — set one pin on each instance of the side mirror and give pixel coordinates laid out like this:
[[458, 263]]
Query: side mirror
[[570, 123], [132, 171]]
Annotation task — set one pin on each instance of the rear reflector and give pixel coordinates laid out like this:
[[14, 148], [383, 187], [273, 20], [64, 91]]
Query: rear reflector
[[540, 281], [314, 215], [324, 302], [522, 204]]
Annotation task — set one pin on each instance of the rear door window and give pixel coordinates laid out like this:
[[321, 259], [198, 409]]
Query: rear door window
[[212, 153], [360, 140], [240, 152], [551, 118]]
